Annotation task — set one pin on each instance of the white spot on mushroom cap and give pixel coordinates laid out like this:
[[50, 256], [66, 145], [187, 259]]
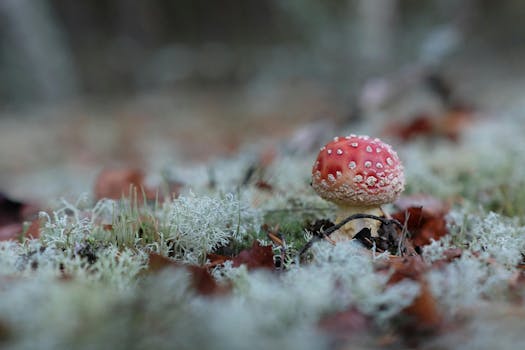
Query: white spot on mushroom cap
[[368, 164], [358, 178], [352, 165], [331, 178], [336, 139], [389, 161], [339, 151], [371, 180], [379, 165], [369, 149], [329, 151], [354, 144]]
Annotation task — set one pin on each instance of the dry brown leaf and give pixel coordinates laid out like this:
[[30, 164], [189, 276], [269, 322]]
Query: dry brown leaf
[[421, 124], [33, 230], [423, 312], [201, 280], [216, 259], [257, 256], [449, 255], [424, 224], [450, 125], [263, 185], [345, 324], [118, 183]]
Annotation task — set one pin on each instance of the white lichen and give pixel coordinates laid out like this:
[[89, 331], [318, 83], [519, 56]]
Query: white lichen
[[198, 225]]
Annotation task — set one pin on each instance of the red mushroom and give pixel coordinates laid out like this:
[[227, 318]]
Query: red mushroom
[[359, 174]]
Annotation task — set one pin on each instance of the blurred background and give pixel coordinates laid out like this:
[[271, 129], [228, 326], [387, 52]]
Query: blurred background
[[86, 85]]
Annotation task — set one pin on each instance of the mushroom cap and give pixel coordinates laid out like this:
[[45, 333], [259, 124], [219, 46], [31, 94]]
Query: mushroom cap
[[358, 171]]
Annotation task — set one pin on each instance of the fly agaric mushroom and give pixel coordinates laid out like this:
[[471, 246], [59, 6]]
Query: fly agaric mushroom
[[358, 174]]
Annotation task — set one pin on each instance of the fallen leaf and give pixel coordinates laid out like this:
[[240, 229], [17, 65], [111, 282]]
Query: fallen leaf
[[449, 255], [403, 267], [421, 124], [201, 279], [423, 313], [345, 324], [257, 256], [424, 310], [204, 282], [263, 185], [157, 262], [118, 183], [449, 125], [216, 259], [33, 230], [452, 124], [424, 225]]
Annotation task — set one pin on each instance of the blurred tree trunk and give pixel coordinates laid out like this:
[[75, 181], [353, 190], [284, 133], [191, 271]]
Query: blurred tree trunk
[[377, 21], [38, 51]]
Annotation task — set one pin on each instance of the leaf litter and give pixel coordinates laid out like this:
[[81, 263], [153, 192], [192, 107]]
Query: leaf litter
[[420, 224]]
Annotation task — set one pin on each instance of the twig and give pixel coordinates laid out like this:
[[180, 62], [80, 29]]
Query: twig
[[325, 233], [401, 248], [278, 239]]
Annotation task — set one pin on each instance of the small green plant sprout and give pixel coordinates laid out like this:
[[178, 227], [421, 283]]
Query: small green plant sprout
[[359, 174]]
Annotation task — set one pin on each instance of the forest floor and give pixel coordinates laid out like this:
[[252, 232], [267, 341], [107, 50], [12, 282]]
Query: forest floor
[[215, 262]]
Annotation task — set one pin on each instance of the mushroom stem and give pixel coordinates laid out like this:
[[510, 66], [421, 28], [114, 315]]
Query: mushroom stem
[[349, 230]]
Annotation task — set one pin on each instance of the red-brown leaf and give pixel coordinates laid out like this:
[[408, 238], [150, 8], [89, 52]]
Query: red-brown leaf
[[449, 125], [423, 311], [263, 185], [216, 259], [345, 324], [411, 267], [257, 256], [117, 183], [452, 124], [33, 230], [421, 125], [424, 225], [202, 281], [158, 262]]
